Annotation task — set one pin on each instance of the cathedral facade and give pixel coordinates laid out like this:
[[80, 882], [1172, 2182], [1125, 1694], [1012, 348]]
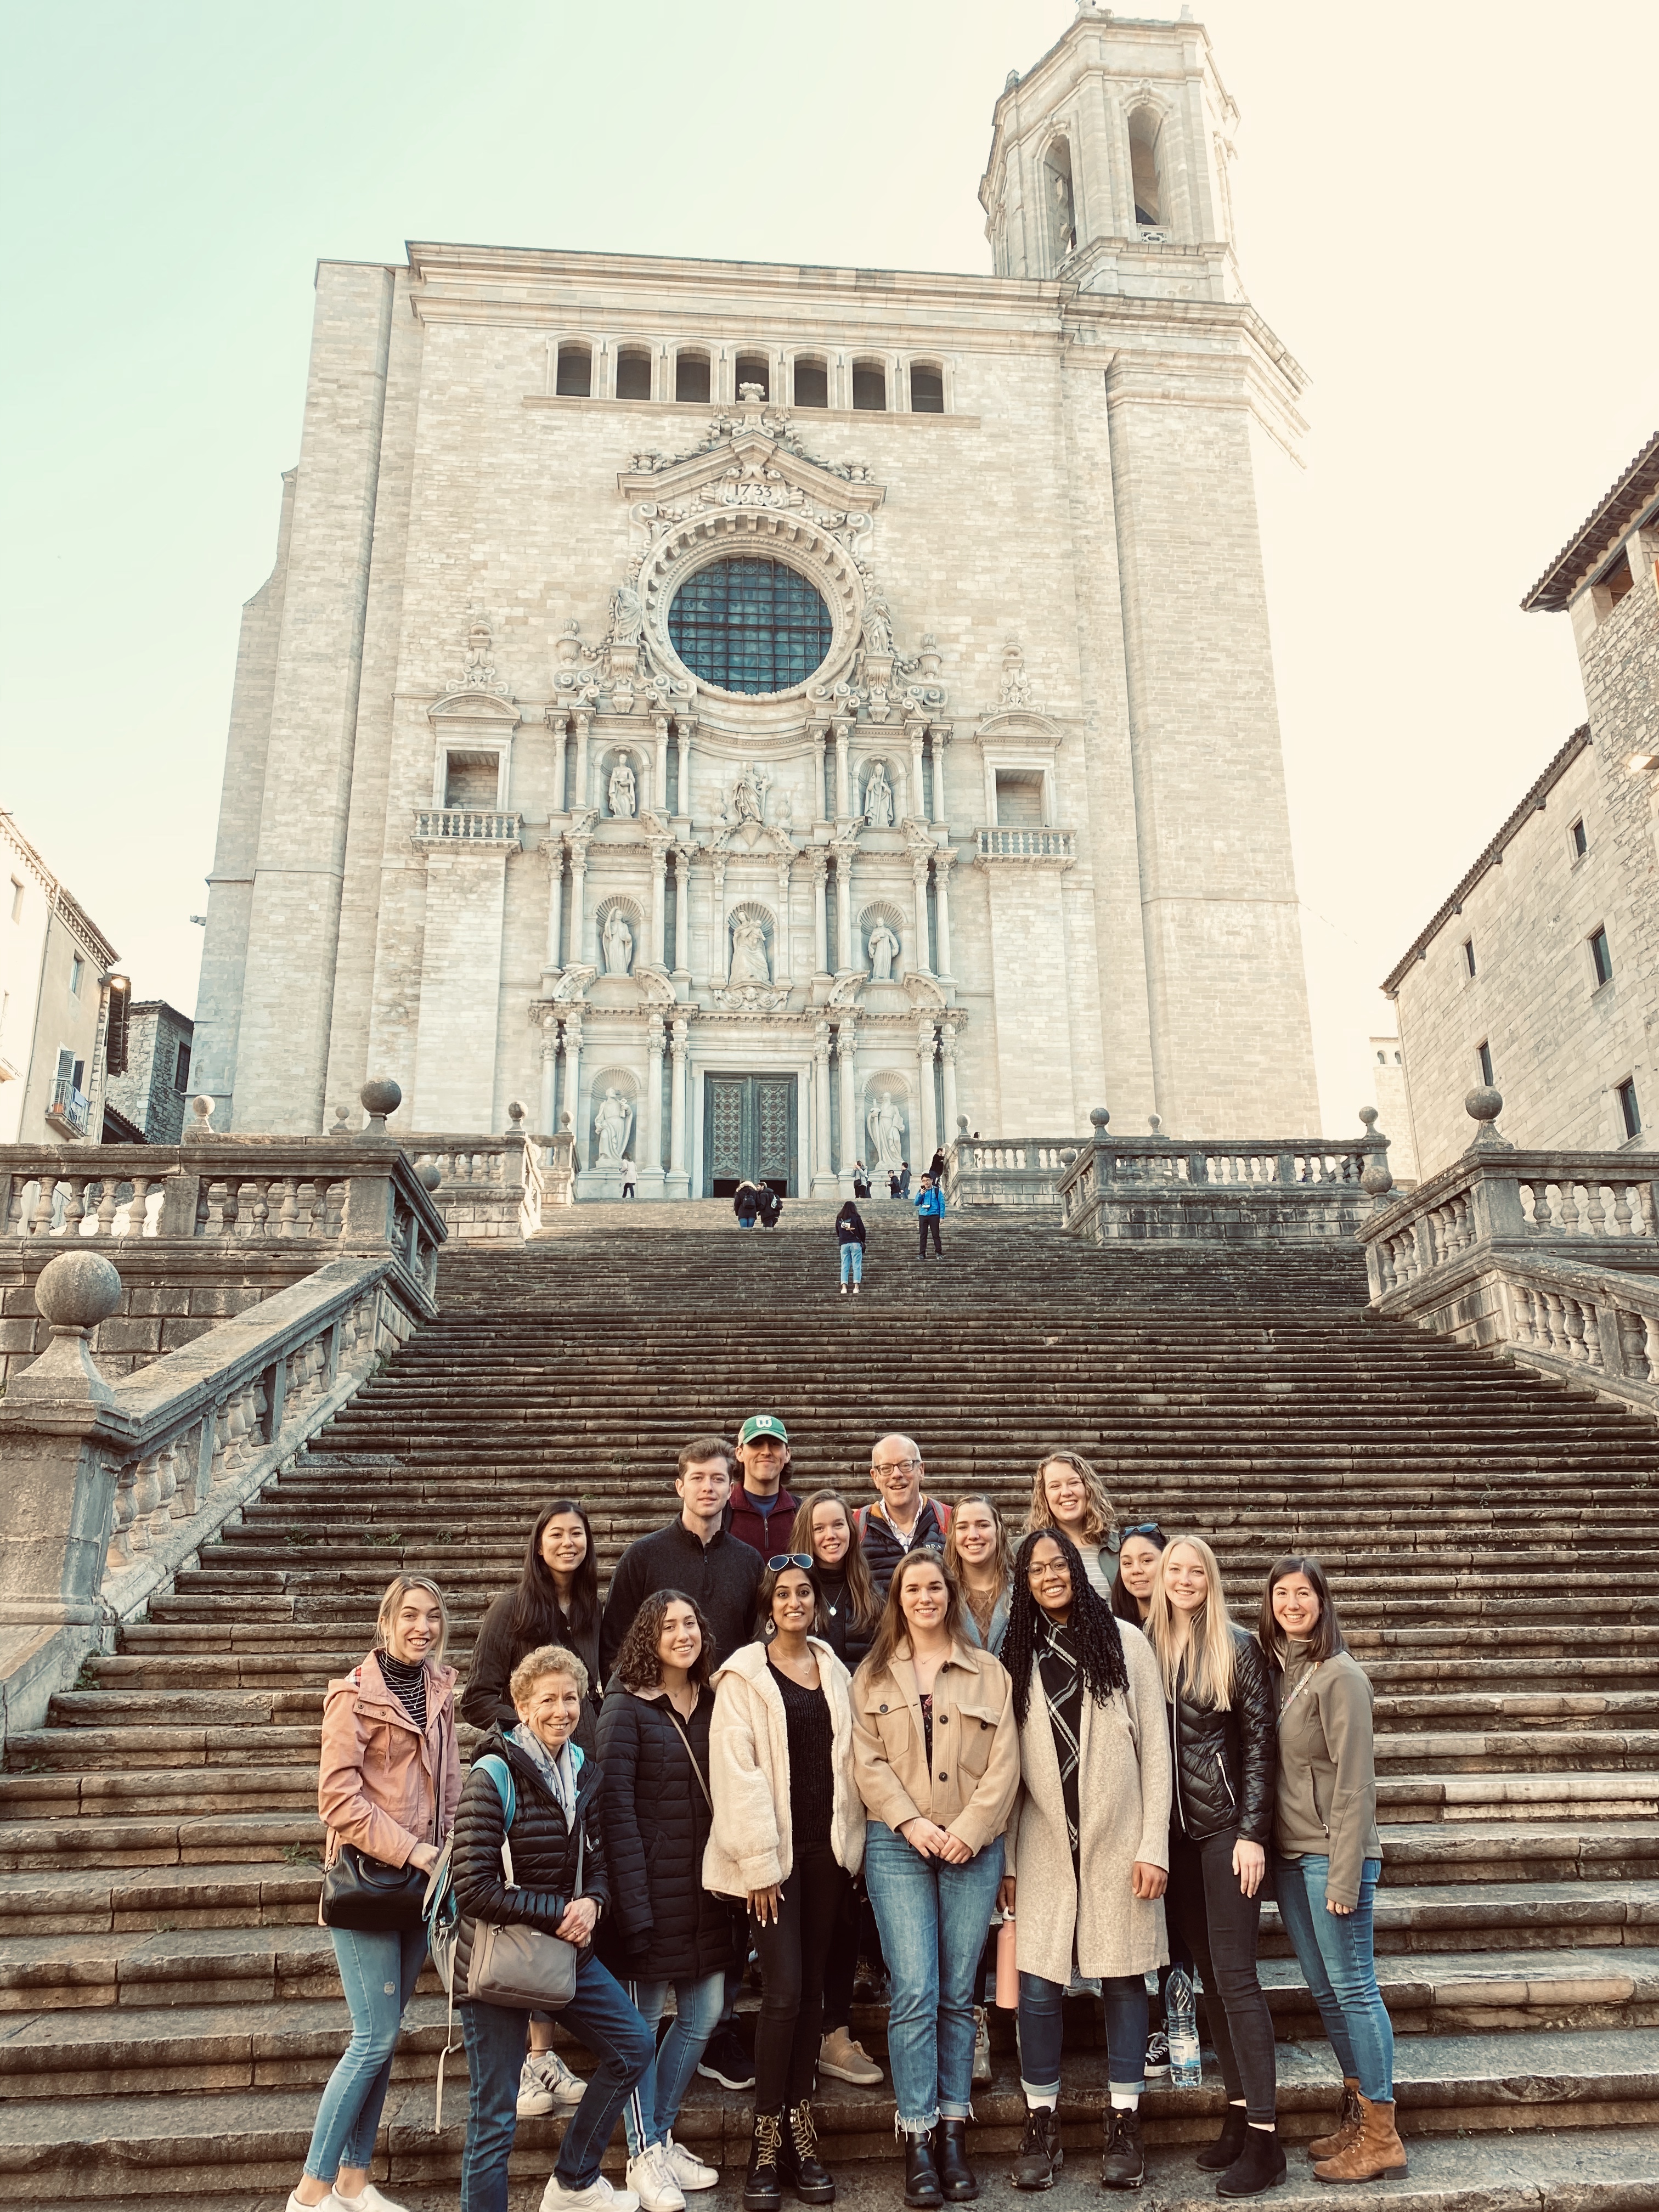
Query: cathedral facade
[[763, 714]]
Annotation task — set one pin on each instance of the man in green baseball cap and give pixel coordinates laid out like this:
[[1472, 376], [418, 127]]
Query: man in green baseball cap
[[762, 1513]]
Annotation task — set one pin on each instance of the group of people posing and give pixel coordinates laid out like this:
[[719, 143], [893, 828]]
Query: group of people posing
[[781, 1703]]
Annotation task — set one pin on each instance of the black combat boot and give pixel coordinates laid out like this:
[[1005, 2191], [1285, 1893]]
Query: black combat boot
[[921, 2175], [1039, 2157], [762, 2185], [802, 2168], [1123, 2162], [956, 2177]]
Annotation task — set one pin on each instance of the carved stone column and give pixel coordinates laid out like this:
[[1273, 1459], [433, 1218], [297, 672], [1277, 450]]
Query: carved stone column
[[683, 908], [939, 740], [943, 861], [820, 862], [921, 956], [578, 845], [844, 740], [659, 899], [947, 1049], [660, 774], [679, 1183], [719, 951], [556, 718], [650, 1160], [820, 748], [683, 726], [573, 1085], [843, 908], [553, 852], [917, 794], [581, 798], [924, 1125], [823, 1177], [851, 1136], [781, 963], [548, 1022]]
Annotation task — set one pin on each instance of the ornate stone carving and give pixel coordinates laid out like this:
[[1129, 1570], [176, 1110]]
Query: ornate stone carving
[[623, 791], [571, 985], [749, 963], [877, 797], [478, 672], [1016, 686], [746, 801], [883, 953], [752, 997]]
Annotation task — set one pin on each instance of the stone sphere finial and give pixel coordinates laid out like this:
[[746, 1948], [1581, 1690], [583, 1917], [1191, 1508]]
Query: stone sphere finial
[[201, 1107], [1067, 1154], [75, 1291], [379, 1096], [342, 1115], [962, 1125], [1368, 1116], [1155, 1122], [564, 1120], [515, 1114], [431, 1175], [1484, 1103], [1100, 1117]]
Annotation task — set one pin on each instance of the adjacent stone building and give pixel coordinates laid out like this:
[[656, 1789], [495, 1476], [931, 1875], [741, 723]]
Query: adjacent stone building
[[54, 995], [759, 712], [1541, 972], [149, 1097]]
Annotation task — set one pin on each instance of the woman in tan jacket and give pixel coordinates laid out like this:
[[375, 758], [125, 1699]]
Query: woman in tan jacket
[[1327, 1859], [389, 1780], [936, 1756]]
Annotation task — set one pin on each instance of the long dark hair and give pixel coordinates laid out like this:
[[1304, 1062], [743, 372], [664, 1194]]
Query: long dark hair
[[1095, 1636], [863, 1606], [1124, 1602], [1327, 1639], [894, 1628], [639, 1662], [768, 1583], [538, 1616]]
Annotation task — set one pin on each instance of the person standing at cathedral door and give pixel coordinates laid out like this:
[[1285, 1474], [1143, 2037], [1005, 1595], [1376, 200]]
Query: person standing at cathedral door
[[762, 1455]]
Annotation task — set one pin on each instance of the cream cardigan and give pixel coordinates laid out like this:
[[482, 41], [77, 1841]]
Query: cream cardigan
[[750, 1845]]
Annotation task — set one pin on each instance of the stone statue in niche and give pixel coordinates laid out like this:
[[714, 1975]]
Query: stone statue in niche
[[877, 628], [884, 951], [624, 790], [749, 962], [878, 798], [886, 1135], [610, 1126], [618, 942], [627, 616], [748, 794]]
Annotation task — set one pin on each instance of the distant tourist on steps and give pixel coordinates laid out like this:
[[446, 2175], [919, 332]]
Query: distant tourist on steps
[[929, 1202], [850, 1235]]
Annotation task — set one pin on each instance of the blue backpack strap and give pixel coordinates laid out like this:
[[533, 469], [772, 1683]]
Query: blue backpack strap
[[502, 1775]]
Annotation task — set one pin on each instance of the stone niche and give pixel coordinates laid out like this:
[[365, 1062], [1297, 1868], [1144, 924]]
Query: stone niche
[[885, 1126]]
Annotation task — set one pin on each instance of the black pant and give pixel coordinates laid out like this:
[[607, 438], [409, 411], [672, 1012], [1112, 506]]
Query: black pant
[[792, 1950], [924, 1222], [1205, 1907]]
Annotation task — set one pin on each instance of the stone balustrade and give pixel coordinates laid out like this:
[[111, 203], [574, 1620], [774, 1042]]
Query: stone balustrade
[[1220, 1190], [466, 825], [1010, 844], [112, 1486], [494, 1188], [1016, 1171]]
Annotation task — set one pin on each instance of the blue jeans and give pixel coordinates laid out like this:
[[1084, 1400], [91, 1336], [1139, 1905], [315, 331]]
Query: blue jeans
[[1041, 2033], [610, 2027], [378, 1973], [742, 1224], [1334, 1950], [653, 2105], [932, 1918], [851, 1263]]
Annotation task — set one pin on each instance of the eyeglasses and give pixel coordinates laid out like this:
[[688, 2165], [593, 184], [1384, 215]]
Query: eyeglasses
[[779, 1561], [895, 1467]]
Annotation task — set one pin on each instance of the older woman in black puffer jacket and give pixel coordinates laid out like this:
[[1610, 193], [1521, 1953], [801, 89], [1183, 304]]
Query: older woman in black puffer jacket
[[558, 1884], [664, 1926]]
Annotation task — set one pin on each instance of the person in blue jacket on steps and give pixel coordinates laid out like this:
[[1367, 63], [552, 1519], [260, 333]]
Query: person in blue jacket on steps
[[929, 1202]]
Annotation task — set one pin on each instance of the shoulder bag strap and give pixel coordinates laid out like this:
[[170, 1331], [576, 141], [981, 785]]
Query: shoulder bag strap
[[685, 1736]]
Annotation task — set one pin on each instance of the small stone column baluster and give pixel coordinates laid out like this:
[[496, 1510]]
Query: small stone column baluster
[[823, 1170], [683, 909], [678, 1181], [820, 866], [852, 1137], [943, 861], [658, 901], [650, 1163], [572, 1084], [553, 849], [844, 741], [782, 970], [924, 1124]]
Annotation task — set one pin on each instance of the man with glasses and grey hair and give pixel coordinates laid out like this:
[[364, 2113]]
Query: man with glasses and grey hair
[[904, 1518]]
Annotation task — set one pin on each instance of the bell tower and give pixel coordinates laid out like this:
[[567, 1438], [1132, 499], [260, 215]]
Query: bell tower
[[1118, 140]]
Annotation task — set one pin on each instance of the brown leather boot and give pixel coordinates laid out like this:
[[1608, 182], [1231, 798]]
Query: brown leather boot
[[1375, 2155], [1347, 2127]]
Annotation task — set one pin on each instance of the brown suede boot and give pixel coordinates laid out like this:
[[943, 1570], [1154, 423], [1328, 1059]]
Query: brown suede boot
[[1377, 2153], [1347, 2127]]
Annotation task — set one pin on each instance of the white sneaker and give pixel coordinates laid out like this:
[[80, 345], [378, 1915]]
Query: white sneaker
[[534, 2095], [652, 2180], [329, 2203], [688, 2169], [370, 2200], [546, 2075], [598, 2197]]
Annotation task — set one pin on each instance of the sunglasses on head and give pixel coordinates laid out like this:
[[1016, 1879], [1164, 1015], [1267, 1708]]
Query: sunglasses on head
[[779, 1561], [1148, 1529]]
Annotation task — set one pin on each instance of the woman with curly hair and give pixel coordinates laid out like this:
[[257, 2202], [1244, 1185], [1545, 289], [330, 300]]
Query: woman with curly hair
[[1087, 1849], [664, 1928], [1066, 1494]]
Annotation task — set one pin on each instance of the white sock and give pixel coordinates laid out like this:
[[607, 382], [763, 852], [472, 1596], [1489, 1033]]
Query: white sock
[[1041, 2101], [1264, 2127], [1126, 2100]]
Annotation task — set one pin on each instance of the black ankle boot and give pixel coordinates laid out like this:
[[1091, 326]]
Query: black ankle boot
[[1259, 2166], [957, 2178], [762, 2185], [920, 2174], [1039, 2157], [799, 2163], [1123, 2160], [1217, 2157]]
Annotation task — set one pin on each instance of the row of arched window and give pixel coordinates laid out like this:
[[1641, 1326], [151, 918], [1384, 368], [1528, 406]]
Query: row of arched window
[[699, 376]]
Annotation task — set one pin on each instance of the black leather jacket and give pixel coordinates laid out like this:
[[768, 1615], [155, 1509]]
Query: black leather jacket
[[1225, 1763]]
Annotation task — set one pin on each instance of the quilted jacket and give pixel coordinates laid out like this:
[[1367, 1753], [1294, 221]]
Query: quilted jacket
[[663, 1923], [544, 1849], [1224, 1763]]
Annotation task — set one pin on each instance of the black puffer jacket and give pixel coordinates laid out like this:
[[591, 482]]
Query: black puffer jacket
[[663, 1922], [544, 1849], [498, 1651], [1225, 1763]]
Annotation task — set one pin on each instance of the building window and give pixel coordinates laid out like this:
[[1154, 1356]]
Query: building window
[[1061, 208], [633, 373], [1611, 585], [692, 377], [77, 975], [1019, 800], [811, 384], [1600, 958], [926, 389], [1580, 842], [751, 626], [575, 378], [1469, 956], [181, 1068], [752, 368], [1630, 1113], [1150, 211], [869, 387], [1483, 1055], [17, 900]]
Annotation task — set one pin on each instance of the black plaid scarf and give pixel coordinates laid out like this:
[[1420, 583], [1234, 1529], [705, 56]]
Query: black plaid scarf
[[1062, 1688]]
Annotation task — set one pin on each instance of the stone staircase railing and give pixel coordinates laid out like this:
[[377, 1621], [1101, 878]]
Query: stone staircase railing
[[1017, 1171], [1223, 1190], [490, 1188]]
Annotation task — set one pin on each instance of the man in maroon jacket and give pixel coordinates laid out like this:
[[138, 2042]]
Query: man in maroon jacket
[[762, 1513]]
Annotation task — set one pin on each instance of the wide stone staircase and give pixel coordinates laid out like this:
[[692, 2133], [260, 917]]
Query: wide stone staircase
[[169, 2008]]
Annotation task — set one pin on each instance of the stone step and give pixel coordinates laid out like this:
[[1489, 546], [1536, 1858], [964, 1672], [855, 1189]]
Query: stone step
[[1520, 1849], [1489, 1796], [96, 1841]]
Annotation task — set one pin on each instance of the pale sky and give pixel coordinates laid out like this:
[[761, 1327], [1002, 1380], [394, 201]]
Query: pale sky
[[1446, 211]]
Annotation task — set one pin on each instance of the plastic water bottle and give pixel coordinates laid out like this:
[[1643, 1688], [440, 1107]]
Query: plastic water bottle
[[1181, 2020]]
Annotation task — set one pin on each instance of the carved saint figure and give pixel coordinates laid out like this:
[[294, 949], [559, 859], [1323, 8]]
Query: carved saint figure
[[877, 631], [627, 616], [878, 798], [624, 792], [748, 794], [886, 1135], [748, 961], [884, 951], [610, 1127], [618, 942]]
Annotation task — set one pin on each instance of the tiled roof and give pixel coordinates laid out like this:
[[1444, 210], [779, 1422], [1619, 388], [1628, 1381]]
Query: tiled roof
[[1596, 537]]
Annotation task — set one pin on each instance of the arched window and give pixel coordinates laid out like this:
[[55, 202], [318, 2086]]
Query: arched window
[[1058, 199], [633, 372], [926, 388], [869, 387], [576, 377], [752, 368], [1143, 127], [811, 384], [692, 377]]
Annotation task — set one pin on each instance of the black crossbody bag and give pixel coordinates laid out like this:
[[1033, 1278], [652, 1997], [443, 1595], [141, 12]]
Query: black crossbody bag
[[368, 1895]]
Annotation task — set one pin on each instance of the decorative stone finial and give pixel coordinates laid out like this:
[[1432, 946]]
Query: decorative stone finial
[[342, 1115], [74, 1293], [1155, 1123], [1483, 1105], [564, 1121], [962, 1125], [515, 1116], [1368, 1116], [431, 1175], [201, 1107], [1067, 1154], [379, 1096], [1100, 1117]]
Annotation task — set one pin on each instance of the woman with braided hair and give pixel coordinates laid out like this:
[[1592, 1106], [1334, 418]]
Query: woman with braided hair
[[1087, 1849]]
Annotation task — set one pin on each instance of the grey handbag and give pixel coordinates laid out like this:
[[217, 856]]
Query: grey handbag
[[517, 1966]]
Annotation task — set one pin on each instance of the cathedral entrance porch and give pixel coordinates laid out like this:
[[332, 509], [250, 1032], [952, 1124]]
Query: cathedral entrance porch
[[750, 1125]]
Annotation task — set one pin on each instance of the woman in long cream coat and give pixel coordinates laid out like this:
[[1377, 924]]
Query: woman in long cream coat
[[1087, 1849]]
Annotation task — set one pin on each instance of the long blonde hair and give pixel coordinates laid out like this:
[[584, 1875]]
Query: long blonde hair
[[1207, 1655], [1099, 1514]]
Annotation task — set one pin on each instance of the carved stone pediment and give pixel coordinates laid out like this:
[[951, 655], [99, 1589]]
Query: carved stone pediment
[[571, 986], [488, 712], [742, 837], [752, 997], [924, 992], [752, 457]]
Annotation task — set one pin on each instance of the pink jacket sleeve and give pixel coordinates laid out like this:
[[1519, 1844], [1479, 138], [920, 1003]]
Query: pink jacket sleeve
[[342, 1804]]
